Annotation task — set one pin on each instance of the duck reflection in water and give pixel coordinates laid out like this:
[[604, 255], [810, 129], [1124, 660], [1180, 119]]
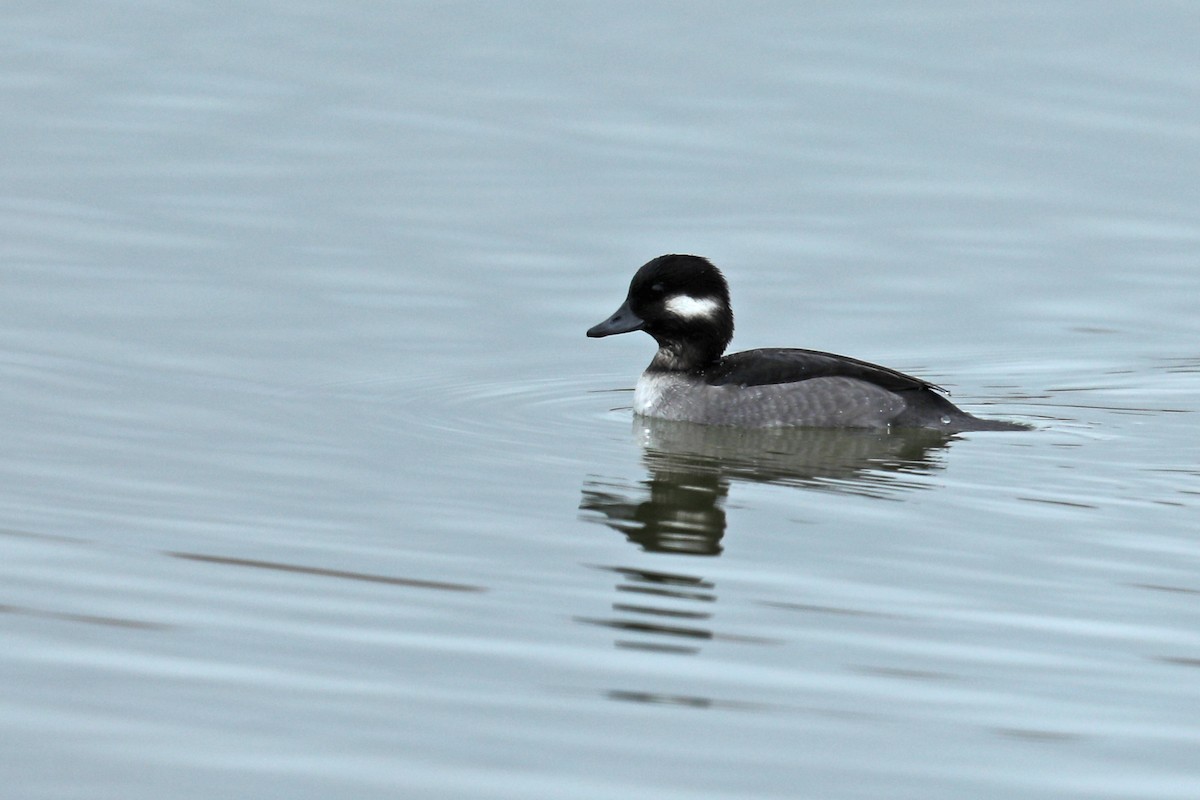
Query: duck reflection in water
[[679, 507]]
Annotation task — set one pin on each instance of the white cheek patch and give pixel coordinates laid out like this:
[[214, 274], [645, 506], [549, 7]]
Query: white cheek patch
[[688, 307]]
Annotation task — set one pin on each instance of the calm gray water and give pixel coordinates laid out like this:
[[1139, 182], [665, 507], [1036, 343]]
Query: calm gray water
[[312, 486]]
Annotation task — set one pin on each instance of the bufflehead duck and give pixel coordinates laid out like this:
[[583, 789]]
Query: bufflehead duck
[[683, 302]]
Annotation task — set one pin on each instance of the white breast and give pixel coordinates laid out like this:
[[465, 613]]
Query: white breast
[[651, 392]]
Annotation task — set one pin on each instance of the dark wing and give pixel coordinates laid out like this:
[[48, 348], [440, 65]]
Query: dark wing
[[788, 365]]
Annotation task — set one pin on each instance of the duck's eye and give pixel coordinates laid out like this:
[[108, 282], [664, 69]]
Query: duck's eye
[[657, 288]]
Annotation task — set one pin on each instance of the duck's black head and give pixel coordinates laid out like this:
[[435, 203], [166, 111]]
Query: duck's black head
[[683, 302]]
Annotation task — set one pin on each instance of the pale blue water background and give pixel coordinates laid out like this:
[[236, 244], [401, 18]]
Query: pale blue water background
[[312, 486]]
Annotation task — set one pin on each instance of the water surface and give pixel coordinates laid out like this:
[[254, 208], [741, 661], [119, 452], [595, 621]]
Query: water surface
[[313, 486]]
